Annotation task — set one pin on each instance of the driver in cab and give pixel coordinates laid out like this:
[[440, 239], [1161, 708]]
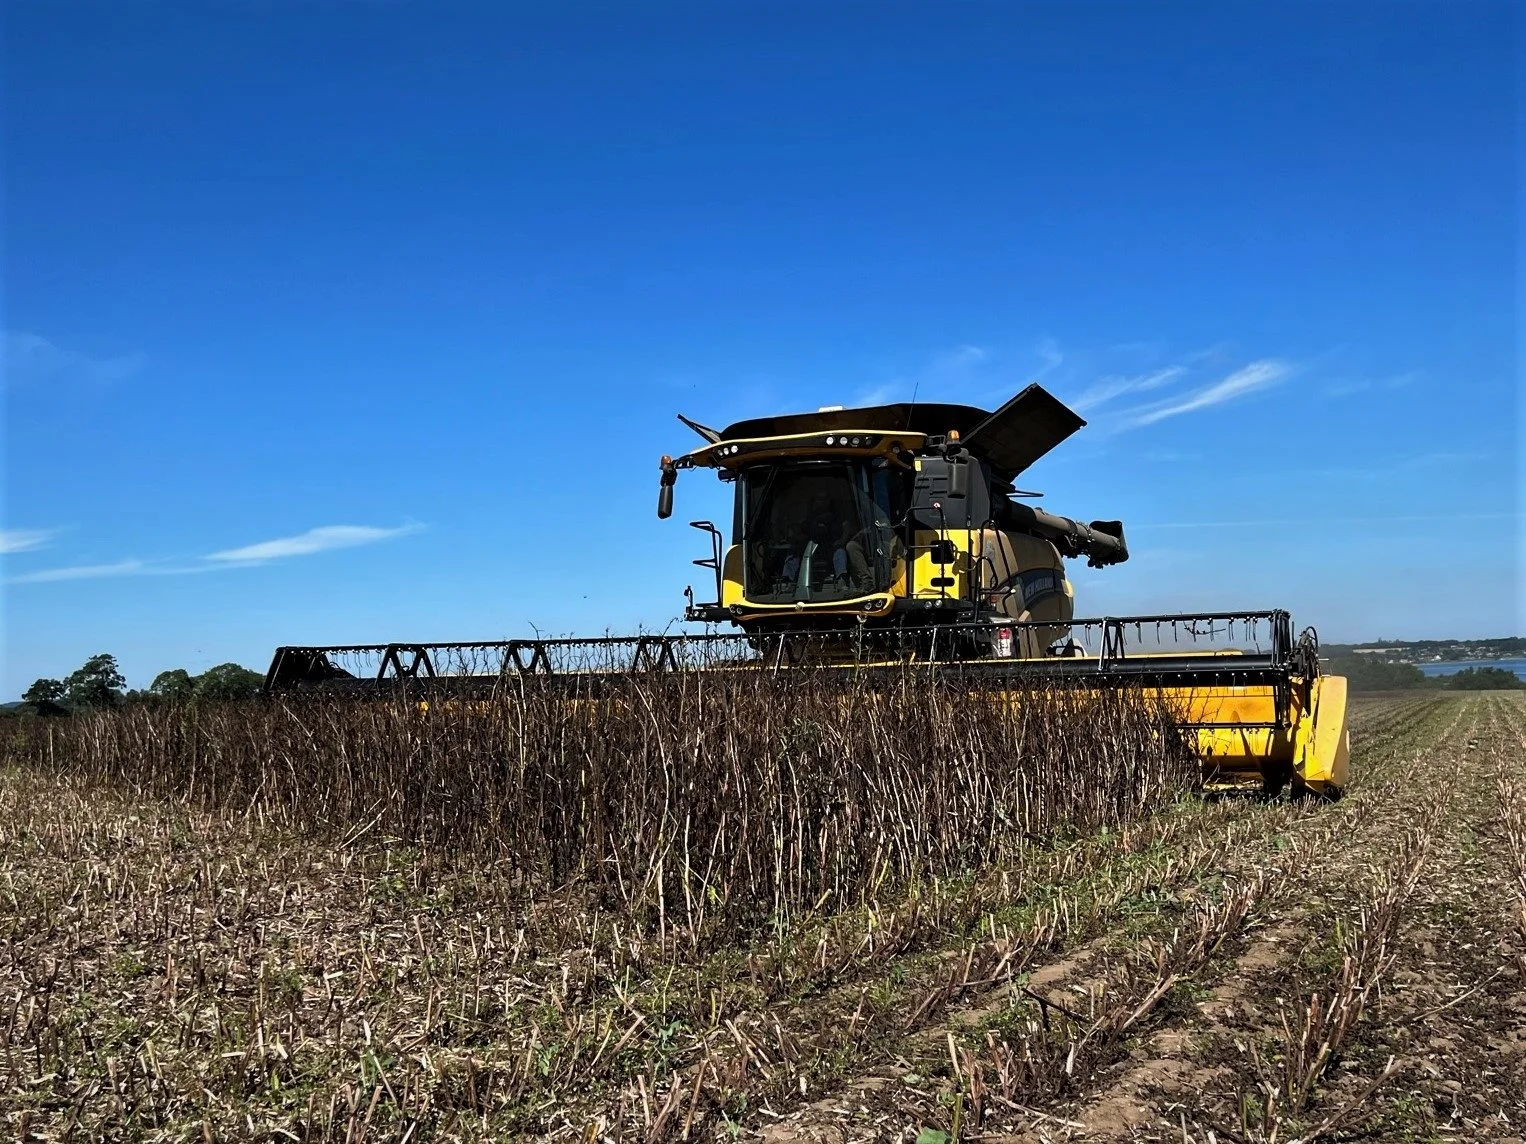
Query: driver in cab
[[818, 537]]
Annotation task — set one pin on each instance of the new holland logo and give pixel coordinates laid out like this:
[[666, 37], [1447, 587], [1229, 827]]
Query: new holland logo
[[1038, 584]]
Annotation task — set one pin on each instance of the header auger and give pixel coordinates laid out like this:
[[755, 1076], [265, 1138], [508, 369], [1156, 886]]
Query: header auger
[[867, 539]]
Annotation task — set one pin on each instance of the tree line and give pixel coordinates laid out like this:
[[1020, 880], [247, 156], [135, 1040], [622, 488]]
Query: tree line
[[1368, 673], [99, 684]]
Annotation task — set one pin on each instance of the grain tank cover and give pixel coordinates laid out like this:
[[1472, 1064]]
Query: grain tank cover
[[1022, 430]]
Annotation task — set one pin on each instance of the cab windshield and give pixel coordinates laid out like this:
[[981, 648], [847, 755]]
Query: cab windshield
[[819, 531]]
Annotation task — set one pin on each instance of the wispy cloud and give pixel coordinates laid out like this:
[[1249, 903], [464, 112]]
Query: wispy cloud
[[82, 572], [25, 539], [1258, 375], [880, 394], [1051, 357], [1343, 521], [324, 539], [28, 359], [1140, 348], [1111, 388], [949, 370], [1421, 466], [958, 358], [313, 540], [1346, 386]]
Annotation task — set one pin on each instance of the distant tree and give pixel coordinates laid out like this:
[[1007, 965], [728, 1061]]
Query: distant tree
[[1483, 679], [45, 697], [44, 691], [1365, 675], [173, 686], [228, 681], [97, 684]]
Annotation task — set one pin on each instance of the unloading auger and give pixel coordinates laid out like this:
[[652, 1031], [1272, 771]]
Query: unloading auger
[[867, 539]]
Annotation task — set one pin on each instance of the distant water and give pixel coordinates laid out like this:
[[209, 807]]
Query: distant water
[[1434, 669]]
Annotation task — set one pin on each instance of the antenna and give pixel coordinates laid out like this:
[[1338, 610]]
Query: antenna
[[916, 385]]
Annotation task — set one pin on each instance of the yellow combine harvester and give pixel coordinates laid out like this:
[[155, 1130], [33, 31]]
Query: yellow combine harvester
[[871, 538]]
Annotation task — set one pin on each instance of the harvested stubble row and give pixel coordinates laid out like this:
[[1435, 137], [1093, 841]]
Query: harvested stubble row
[[241, 943], [1314, 1035], [1239, 869], [1512, 809], [1007, 923]]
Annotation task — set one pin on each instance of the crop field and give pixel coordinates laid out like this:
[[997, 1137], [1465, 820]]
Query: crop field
[[716, 911]]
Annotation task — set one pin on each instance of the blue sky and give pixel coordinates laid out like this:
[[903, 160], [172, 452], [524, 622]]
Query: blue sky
[[368, 321]]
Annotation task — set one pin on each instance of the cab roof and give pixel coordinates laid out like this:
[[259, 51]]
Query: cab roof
[[1010, 439], [926, 418]]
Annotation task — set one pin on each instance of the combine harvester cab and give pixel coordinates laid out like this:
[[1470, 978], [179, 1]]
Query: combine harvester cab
[[870, 539]]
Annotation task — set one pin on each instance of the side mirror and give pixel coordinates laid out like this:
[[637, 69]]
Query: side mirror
[[665, 490]]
